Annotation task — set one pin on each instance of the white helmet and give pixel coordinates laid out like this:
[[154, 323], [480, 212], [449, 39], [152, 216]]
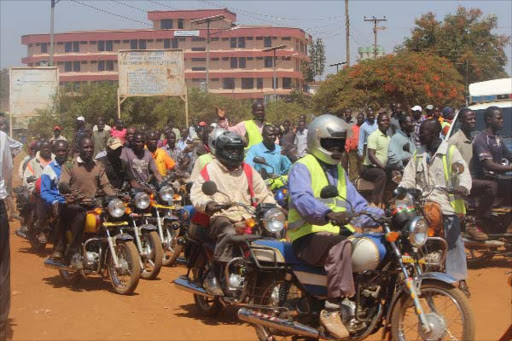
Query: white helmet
[[212, 137], [325, 127]]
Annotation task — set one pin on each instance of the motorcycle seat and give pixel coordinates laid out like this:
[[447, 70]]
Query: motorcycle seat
[[271, 249]]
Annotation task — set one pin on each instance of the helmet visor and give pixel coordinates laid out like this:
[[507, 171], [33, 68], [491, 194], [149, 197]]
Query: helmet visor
[[333, 144]]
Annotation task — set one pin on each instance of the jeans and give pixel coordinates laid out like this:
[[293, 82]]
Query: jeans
[[5, 270], [456, 265]]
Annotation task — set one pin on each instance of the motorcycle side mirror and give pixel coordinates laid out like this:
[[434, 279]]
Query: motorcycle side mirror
[[457, 168], [400, 193], [64, 188], [209, 188], [264, 173], [31, 179], [329, 191], [259, 160]]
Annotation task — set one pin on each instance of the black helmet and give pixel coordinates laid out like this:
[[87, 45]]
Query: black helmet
[[229, 149]]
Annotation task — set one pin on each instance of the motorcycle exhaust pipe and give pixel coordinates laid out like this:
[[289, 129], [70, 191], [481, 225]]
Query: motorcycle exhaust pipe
[[482, 244], [184, 283], [293, 328], [52, 264]]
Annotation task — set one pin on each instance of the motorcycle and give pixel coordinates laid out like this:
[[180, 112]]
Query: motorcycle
[[145, 235], [282, 296], [104, 249], [37, 232]]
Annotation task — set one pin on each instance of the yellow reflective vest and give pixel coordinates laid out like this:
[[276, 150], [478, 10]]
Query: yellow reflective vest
[[299, 227], [253, 134]]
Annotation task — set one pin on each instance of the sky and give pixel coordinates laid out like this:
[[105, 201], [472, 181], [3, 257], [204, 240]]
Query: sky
[[321, 19]]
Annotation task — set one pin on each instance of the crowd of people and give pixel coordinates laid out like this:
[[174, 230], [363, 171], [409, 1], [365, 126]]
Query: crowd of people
[[333, 149]]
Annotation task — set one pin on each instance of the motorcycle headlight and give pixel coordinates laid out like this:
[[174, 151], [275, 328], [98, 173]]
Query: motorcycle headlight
[[166, 193], [273, 220], [116, 208], [142, 200], [418, 232]]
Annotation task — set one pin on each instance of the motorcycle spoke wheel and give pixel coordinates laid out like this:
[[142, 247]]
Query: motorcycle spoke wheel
[[124, 279], [447, 310], [478, 258], [209, 307], [171, 249], [152, 261]]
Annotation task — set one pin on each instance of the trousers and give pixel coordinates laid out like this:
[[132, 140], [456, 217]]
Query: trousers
[[5, 270], [334, 252], [456, 265], [354, 165], [75, 215], [485, 191], [221, 230], [378, 177]]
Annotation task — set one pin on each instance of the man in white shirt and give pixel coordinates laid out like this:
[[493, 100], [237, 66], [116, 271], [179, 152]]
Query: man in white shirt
[[301, 139]]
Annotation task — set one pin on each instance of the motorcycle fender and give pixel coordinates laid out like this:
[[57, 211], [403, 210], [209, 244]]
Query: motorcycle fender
[[123, 236], [148, 227], [429, 277]]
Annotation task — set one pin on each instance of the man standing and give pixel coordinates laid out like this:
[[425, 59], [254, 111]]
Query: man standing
[[171, 126], [368, 127], [429, 109], [395, 114], [163, 161], [347, 115], [279, 164], [417, 119], [79, 134], [250, 129], [401, 145], [354, 162], [374, 165], [100, 137], [484, 190], [301, 139], [57, 135], [287, 141], [448, 115], [139, 162], [111, 161], [6, 167], [431, 167], [182, 143]]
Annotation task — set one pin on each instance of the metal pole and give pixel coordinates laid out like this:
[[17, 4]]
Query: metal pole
[[347, 34], [207, 55], [274, 84], [375, 39], [52, 15]]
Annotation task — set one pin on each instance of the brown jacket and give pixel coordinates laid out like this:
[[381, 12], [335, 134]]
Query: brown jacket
[[86, 178]]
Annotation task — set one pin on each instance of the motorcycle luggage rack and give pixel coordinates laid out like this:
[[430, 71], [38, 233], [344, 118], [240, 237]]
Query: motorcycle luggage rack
[[276, 266]]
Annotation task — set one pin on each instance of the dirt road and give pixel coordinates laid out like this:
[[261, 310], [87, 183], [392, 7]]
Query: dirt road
[[43, 308]]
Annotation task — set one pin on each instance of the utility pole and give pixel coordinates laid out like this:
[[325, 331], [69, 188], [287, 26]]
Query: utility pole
[[375, 30], [347, 34], [52, 17], [337, 65], [274, 49]]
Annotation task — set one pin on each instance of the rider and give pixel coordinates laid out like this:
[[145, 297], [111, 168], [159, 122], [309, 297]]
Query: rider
[[433, 167], [204, 159], [163, 161], [240, 183], [36, 165], [270, 151], [86, 176], [484, 190], [318, 227], [140, 165], [111, 161]]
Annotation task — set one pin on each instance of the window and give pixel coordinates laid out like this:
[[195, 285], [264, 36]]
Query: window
[[259, 83], [198, 39], [268, 61], [286, 38], [68, 47], [247, 83], [214, 39], [225, 39], [198, 68], [44, 47], [76, 66], [166, 24], [76, 46], [109, 65], [249, 38], [171, 43], [241, 42], [109, 46], [198, 49], [101, 45], [101, 65], [267, 42], [228, 83], [133, 44], [250, 58], [233, 43], [241, 62], [181, 23], [287, 83], [225, 59], [259, 38], [199, 59], [142, 44], [214, 59], [233, 62]]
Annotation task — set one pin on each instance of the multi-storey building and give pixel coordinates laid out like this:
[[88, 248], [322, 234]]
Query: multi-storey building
[[238, 66]]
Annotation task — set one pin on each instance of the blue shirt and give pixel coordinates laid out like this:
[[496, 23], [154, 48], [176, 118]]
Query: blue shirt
[[314, 211], [396, 153], [49, 181], [364, 131], [280, 163]]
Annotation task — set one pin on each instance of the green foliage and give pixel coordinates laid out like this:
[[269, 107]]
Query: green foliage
[[407, 78], [319, 58], [307, 71], [466, 39], [278, 111], [316, 65]]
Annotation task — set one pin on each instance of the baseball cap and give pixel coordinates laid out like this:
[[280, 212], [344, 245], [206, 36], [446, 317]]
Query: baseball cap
[[202, 124], [57, 128], [416, 108], [80, 118], [114, 143], [430, 107]]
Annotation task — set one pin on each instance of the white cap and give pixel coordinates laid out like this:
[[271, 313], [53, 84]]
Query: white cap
[[80, 118], [416, 108], [430, 107], [213, 125]]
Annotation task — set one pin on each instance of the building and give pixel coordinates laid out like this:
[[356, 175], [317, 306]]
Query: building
[[238, 66], [368, 52]]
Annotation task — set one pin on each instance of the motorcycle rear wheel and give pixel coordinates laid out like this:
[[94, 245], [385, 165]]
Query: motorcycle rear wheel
[[129, 258], [171, 248], [405, 324], [153, 262]]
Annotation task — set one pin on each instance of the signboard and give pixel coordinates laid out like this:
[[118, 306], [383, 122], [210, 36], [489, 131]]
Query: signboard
[[186, 33], [30, 89], [151, 73]]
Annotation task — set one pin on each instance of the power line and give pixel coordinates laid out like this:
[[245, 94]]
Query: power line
[[111, 13], [130, 6], [163, 5]]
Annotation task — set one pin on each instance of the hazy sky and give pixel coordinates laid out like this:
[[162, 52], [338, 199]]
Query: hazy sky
[[321, 19]]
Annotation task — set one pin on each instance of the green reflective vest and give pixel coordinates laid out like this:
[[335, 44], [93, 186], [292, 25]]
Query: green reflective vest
[[253, 134], [297, 226], [204, 159]]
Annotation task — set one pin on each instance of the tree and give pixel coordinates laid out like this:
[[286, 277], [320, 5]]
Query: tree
[[408, 78], [466, 39], [4, 89], [307, 71], [319, 58]]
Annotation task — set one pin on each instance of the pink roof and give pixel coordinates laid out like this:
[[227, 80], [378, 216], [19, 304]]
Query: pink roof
[[191, 14]]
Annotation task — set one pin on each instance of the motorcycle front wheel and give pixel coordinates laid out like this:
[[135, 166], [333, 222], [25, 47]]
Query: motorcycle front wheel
[[125, 278], [447, 310], [171, 248], [152, 262]]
